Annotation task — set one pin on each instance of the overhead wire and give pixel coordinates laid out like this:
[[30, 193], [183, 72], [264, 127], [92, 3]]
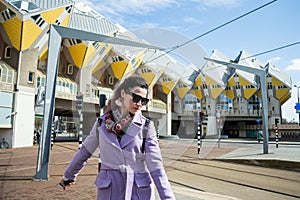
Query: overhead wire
[[255, 55], [275, 49], [218, 27], [212, 30], [265, 52]]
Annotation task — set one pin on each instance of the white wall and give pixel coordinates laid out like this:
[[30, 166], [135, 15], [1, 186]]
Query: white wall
[[211, 126], [163, 124], [190, 128], [23, 129]]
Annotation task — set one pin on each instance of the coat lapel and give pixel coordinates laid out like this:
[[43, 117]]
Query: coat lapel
[[133, 130], [112, 138]]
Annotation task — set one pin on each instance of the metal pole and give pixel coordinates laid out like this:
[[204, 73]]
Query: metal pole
[[102, 103], [218, 120], [199, 127], [99, 124], [298, 102], [52, 135], [276, 131], [80, 129], [257, 133], [264, 93], [44, 146], [157, 130], [219, 135], [79, 107]]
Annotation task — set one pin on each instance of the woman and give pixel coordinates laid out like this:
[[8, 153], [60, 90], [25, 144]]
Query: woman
[[129, 162]]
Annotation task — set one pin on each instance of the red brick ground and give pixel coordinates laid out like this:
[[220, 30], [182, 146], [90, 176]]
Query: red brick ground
[[18, 166]]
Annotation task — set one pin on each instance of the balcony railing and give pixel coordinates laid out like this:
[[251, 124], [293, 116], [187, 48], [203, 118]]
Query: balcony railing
[[232, 113], [6, 86], [156, 105]]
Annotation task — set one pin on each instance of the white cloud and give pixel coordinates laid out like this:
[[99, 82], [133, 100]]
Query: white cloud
[[294, 66], [221, 3], [119, 7], [272, 60], [149, 25], [116, 7], [117, 10], [192, 20]]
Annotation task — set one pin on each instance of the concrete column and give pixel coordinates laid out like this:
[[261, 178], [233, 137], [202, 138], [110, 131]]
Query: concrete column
[[89, 120], [23, 124], [85, 81]]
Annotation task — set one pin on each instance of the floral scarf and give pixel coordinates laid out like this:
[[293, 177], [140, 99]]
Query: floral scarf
[[116, 123]]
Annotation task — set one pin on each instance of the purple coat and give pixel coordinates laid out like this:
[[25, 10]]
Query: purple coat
[[126, 173]]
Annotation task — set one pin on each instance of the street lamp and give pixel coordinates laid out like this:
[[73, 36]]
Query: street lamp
[[298, 100]]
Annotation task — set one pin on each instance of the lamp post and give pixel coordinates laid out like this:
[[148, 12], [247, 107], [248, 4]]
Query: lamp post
[[298, 99]]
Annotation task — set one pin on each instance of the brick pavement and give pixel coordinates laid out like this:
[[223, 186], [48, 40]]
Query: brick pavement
[[17, 168]]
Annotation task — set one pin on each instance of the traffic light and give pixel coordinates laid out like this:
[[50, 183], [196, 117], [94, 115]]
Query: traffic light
[[202, 116], [102, 100], [79, 102], [276, 121]]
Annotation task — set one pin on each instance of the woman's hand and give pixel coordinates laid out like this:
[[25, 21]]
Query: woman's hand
[[65, 182]]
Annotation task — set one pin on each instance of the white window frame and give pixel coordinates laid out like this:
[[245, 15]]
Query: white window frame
[[70, 69], [87, 88], [7, 54], [110, 80], [32, 77]]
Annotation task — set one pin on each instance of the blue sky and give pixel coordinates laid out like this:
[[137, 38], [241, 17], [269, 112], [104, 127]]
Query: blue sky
[[271, 27]]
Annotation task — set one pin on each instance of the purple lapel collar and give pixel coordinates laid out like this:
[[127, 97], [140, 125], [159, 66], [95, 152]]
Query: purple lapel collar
[[133, 130], [112, 138]]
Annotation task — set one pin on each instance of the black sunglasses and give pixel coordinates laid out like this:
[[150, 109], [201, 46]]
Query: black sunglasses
[[136, 98]]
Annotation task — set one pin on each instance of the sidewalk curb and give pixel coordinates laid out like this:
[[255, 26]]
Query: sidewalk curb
[[198, 195], [272, 163]]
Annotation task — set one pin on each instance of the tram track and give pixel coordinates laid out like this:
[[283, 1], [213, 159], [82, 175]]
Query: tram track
[[237, 170], [231, 175], [210, 175], [231, 182]]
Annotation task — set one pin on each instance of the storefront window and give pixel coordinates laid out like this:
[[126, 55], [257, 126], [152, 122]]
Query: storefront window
[[6, 107]]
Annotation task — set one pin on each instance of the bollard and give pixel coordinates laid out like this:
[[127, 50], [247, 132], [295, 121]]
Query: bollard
[[219, 121], [276, 137], [200, 117], [52, 139], [276, 130], [102, 103], [80, 129], [199, 134], [52, 135], [79, 107], [219, 136]]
